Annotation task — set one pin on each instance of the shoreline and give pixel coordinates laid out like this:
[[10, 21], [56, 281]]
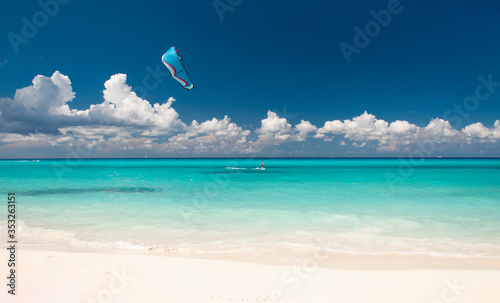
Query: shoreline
[[321, 258], [50, 276], [343, 261]]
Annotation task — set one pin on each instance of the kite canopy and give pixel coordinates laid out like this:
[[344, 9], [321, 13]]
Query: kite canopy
[[173, 62]]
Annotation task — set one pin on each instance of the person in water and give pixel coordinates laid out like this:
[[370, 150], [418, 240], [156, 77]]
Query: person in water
[[262, 165]]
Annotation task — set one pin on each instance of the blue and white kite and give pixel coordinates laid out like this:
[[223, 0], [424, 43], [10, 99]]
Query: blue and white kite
[[173, 62]]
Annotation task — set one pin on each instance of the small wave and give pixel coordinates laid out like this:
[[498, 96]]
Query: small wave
[[37, 235], [45, 237], [341, 216], [58, 191], [244, 168], [299, 242], [19, 161], [120, 245]]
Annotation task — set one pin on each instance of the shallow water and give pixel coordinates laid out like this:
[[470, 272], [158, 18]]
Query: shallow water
[[439, 207]]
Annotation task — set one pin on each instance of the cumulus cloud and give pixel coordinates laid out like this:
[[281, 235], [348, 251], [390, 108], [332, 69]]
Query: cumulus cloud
[[389, 136], [304, 128], [42, 107], [122, 106], [212, 135], [477, 131], [367, 127], [122, 121], [39, 117], [361, 128], [276, 130], [440, 131]]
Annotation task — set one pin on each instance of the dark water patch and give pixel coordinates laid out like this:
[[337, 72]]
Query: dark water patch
[[63, 191]]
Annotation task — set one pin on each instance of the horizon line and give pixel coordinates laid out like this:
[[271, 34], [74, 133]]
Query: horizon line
[[256, 157]]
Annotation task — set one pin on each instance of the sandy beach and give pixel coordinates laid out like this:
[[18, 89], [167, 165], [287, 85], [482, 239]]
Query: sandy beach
[[339, 235], [49, 276], [230, 151]]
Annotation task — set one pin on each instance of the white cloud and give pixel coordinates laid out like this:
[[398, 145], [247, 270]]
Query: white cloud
[[395, 135], [359, 144], [477, 130], [367, 127], [12, 138], [40, 107], [481, 132], [361, 128], [123, 121], [304, 128], [274, 128], [122, 106], [439, 131], [401, 131], [211, 136], [496, 130], [44, 107], [47, 96], [39, 116]]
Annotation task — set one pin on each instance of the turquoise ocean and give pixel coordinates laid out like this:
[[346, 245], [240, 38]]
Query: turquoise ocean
[[435, 207]]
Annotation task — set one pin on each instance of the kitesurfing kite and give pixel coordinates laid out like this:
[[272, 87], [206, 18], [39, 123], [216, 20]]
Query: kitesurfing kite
[[173, 62]]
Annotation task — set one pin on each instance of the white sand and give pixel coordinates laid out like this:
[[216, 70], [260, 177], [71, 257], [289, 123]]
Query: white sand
[[53, 277]]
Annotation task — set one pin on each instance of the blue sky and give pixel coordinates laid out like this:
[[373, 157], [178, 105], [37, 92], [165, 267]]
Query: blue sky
[[278, 56]]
